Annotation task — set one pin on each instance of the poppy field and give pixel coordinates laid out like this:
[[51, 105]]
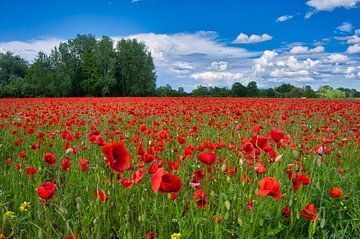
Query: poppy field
[[179, 168]]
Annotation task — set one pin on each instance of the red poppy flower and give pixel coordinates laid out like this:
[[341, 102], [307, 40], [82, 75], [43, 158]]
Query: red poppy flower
[[152, 169], [46, 190], [286, 212], [117, 156], [127, 182], [49, 158], [100, 141], [199, 174], [84, 165], [138, 175], [335, 192], [181, 140], [150, 235], [173, 166], [299, 180], [310, 212], [260, 168], [248, 147], [245, 178], [219, 219], [164, 182], [22, 155], [65, 164], [72, 237], [101, 195], [173, 196], [269, 186], [200, 198], [31, 171], [259, 141], [276, 135], [207, 157]]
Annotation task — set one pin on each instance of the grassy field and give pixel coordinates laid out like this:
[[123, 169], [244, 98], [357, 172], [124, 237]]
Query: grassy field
[[179, 168]]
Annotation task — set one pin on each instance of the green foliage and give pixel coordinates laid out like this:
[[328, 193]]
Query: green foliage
[[238, 90], [82, 66], [328, 92], [252, 89]]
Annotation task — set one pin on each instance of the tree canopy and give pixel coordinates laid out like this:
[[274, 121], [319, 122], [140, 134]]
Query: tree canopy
[[83, 66]]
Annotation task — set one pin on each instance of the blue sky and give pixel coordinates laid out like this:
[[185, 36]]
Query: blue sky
[[310, 42]]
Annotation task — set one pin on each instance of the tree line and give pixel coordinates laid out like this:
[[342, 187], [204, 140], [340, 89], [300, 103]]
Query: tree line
[[251, 90], [83, 66], [86, 66]]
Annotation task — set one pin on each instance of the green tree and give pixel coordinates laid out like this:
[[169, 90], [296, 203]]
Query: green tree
[[134, 69], [252, 89], [12, 71], [238, 90], [37, 81], [285, 90], [327, 91], [201, 91], [105, 64], [309, 92]]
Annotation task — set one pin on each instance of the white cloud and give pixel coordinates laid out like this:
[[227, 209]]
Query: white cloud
[[219, 66], [329, 5], [305, 50], [336, 58], [246, 39], [309, 14], [354, 39], [264, 61], [292, 63], [353, 49], [283, 73], [182, 68], [197, 45], [345, 27], [29, 49], [216, 75], [307, 68], [284, 18]]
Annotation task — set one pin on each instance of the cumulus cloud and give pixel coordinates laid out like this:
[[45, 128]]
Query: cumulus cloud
[[219, 66], [284, 18], [191, 45], [283, 73], [242, 38], [345, 27], [354, 39], [353, 49], [329, 5], [182, 68], [305, 50], [264, 61], [29, 49], [305, 68], [336, 58], [216, 75]]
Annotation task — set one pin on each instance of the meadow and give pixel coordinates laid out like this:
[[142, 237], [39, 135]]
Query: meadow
[[179, 168]]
